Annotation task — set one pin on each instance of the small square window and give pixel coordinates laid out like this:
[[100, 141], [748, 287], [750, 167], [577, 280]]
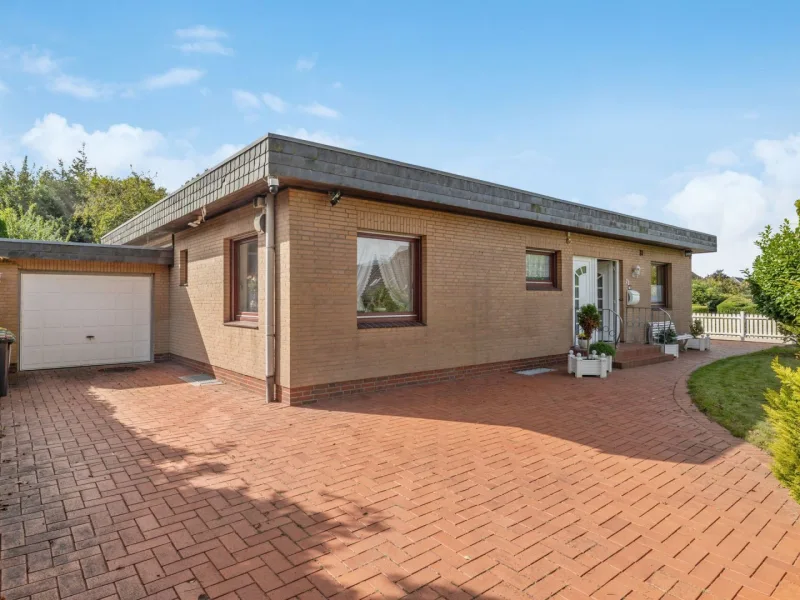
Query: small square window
[[184, 267], [540, 270]]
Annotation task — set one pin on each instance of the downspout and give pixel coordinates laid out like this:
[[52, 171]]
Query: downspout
[[269, 312]]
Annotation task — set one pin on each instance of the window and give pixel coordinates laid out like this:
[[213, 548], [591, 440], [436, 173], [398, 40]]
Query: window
[[184, 267], [388, 280], [658, 285], [244, 279], [540, 270]]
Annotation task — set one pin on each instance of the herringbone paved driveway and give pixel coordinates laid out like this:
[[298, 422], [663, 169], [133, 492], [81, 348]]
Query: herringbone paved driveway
[[134, 484]]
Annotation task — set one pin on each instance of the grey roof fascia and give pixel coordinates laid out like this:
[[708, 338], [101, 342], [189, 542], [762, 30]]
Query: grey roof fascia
[[10, 248], [303, 162]]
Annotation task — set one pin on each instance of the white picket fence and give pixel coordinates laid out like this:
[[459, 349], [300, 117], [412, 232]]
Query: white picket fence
[[740, 326]]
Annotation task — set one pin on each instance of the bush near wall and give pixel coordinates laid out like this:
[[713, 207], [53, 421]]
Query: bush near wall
[[783, 410], [699, 308]]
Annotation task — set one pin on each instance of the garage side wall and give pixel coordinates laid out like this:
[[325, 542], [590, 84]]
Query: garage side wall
[[9, 291]]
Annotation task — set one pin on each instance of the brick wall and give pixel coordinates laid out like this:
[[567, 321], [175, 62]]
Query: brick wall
[[476, 307], [9, 291], [200, 324]]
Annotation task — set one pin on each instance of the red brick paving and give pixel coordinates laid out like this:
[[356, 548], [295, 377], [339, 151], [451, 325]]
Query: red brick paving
[[134, 485]]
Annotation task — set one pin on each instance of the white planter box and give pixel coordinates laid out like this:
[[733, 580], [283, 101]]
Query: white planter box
[[701, 343], [673, 349], [598, 366]]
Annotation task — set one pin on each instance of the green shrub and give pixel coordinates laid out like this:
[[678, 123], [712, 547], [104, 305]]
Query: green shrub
[[603, 348], [699, 308], [696, 328], [737, 304], [589, 319], [666, 336], [783, 410]]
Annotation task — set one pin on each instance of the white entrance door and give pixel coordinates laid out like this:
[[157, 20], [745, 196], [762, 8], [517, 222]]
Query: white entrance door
[[584, 272], [76, 320]]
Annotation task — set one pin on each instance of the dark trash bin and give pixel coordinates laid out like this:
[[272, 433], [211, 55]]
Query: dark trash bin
[[6, 339]]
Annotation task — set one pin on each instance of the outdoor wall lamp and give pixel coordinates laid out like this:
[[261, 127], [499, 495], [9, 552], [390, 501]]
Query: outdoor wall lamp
[[636, 271], [335, 196]]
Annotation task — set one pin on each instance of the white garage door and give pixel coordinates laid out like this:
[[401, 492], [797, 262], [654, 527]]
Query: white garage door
[[77, 320]]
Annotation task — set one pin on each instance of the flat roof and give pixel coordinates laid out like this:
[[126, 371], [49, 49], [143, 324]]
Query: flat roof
[[295, 162], [76, 251]]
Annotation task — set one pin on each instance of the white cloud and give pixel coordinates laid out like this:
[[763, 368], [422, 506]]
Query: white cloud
[[172, 78], [205, 47], [321, 137], [200, 32], [319, 110], [246, 101], [630, 204], [114, 151], [735, 206], [723, 158], [202, 40], [274, 102], [79, 88], [37, 63], [306, 63]]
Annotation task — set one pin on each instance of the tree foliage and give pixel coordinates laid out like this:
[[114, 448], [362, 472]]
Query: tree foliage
[[70, 203], [712, 291], [783, 410], [775, 275]]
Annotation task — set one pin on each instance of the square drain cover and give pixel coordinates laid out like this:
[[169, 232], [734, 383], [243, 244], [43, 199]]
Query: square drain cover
[[201, 379], [533, 372]]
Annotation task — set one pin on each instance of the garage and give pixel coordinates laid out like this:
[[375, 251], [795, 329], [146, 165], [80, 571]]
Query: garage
[[71, 320]]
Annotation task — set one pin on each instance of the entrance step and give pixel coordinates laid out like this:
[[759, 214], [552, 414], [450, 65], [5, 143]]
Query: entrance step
[[639, 355]]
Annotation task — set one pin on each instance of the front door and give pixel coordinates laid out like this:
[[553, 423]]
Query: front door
[[584, 272]]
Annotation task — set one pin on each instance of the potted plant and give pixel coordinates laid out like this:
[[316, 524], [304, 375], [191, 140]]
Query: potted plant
[[594, 364], [699, 341], [669, 341], [589, 321]]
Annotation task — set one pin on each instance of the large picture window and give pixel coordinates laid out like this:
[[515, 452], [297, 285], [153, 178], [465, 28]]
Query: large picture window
[[244, 279], [388, 280], [658, 285], [540, 270]]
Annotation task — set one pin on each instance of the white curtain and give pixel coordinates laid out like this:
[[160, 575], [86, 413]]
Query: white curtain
[[367, 253], [396, 274]]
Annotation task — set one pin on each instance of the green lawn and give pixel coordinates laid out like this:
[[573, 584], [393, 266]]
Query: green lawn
[[731, 391]]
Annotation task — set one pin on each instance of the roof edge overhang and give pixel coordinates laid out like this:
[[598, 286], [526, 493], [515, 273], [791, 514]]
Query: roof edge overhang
[[315, 166], [47, 250]]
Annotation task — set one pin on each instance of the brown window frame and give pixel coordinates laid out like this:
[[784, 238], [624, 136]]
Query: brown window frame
[[184, 267], [250, 317], [374, 320], [543, 285], [664, 269]]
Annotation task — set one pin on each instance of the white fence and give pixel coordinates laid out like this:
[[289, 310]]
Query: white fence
[[740, 326]]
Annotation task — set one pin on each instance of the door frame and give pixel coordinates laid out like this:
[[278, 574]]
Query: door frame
[[592, 271]]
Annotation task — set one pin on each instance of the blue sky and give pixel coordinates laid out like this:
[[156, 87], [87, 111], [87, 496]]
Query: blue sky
[[685, 113]]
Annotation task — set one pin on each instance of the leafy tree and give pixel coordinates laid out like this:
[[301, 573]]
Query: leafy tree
[[29, 225], [775, 275], [111, 201], [70, 202]]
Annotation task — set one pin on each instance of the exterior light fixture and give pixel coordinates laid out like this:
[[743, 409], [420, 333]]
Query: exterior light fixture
[[636, 271]]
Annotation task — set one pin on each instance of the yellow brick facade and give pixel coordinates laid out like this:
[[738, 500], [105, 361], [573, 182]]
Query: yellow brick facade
[[475, 303], [10, 270]]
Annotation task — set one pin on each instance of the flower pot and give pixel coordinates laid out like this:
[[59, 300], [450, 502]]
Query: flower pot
[[702, 343], [595, 366], [583, 344], [673, 349]]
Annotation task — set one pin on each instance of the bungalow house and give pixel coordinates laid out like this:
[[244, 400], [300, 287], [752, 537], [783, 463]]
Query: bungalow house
[[320, 271]]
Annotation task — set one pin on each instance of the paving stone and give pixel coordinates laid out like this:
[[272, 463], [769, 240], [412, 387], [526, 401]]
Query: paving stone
[[140, 485]]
